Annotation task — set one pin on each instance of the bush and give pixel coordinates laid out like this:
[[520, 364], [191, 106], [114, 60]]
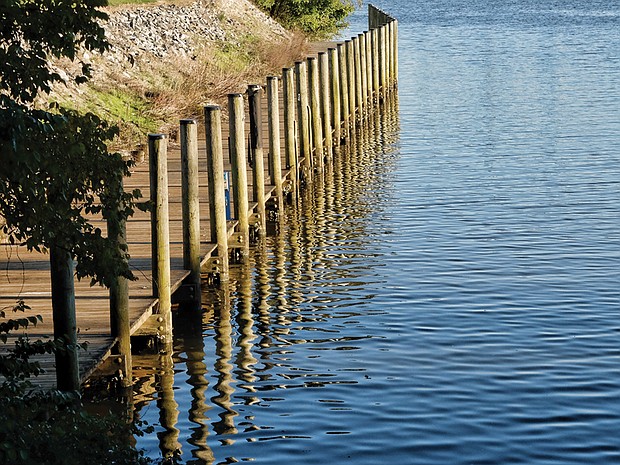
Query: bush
[[319, 19]]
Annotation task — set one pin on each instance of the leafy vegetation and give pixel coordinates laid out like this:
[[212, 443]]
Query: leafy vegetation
[[319, 19], [56, 166], [51, 427]]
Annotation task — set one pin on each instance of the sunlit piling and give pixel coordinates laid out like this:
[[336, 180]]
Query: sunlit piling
[[255, 94], [275, 156], [160, 229], [217, 199], [190, 203], [236, 115]]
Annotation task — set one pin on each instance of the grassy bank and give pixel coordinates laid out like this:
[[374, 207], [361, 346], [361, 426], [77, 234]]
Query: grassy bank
[[151, 94]]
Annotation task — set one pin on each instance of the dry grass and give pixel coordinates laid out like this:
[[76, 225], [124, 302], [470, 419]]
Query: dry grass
[[180, 86]]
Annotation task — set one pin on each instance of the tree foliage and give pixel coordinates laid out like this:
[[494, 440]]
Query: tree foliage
[[55, 168], [318, 18]]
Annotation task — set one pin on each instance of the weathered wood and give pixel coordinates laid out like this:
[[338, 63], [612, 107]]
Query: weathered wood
[[351, 82], [217, 199], [65, 326], [325, 102], [255, 93], [275, 156], [334, 76], [382, 62], [344, 90], [239, 169], [190, 202], [358, 77], [160, 232], [290, 141], [303, 118], [364, 82], [368, 40], [375, 64], [119, 307], [315, 113]]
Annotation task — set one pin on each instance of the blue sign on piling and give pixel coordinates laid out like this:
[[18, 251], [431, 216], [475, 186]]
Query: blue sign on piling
[[227, 194]]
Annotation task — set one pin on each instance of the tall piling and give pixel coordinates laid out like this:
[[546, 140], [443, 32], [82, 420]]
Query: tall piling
[[217, 198], [315, 113], [325, 102], [255, 93], [275, 156], [190, 203], [238, 164], [160, 231]]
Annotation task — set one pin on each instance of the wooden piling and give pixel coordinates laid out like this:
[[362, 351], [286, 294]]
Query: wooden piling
[[382, 62], [238, 162], [344, 90], [315, 113], [375, 65], [301, 84], [358, 78], [190, 203], [334, 105], [351, 82], [273, 123], [65, 325], [325, 100], [255, 93], [290, 141], [395, 51], [368, 40], [364, 86], [119, 306], [160, 230], [217, 199]]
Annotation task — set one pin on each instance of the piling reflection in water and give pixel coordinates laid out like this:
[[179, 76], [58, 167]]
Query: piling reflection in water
[[235, 360]]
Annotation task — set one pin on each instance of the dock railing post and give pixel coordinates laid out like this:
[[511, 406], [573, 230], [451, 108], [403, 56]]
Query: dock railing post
[[334, 73], [290, 142], [364, 86], [351, 83], [238, 162], [255, 93], [301, 87], [119, 305], [65, 324], [324, 93], [382, 62], [368, 40], [344, 90], [275, 154], [358, 78], [375, 65], [160, 229], [315, 112], [217, 198], [190, 203]]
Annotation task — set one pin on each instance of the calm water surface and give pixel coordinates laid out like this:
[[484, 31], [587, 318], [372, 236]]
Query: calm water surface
[[450, 293]]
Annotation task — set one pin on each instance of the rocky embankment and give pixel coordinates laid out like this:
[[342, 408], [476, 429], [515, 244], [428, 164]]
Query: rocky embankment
[[158, 31]]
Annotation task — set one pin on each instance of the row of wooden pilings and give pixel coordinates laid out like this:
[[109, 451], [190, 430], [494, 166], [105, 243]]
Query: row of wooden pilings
[[323, 98]]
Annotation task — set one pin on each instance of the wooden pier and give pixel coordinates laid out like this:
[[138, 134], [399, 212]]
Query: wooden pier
[[293, 125]]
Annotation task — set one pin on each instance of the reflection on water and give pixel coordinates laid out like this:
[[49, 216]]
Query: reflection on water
[[233, 366]]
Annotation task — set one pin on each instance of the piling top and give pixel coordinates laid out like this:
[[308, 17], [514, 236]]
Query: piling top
[[187, 121], [157, 136], [212, 107]]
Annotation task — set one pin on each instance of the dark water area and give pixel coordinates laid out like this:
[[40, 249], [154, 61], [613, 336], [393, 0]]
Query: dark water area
[[448, 293]]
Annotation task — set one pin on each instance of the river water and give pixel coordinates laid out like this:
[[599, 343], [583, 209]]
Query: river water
[[449, 293]]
